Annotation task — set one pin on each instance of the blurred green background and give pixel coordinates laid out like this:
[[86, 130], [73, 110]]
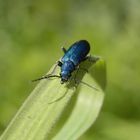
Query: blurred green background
[[31, 35]]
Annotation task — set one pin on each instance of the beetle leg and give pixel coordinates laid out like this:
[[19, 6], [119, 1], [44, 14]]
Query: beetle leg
[[77, 70], [84, 69], [58, 63], [87, 57], [64, 49]]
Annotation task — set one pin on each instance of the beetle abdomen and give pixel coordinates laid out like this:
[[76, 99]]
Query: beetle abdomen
[[77, 52]]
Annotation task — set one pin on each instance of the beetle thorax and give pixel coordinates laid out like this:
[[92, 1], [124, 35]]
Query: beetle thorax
[[66, 69]]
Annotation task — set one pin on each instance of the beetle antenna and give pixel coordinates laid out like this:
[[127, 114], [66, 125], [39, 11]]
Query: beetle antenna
[[84, 83], [89, 85], [46, 77]]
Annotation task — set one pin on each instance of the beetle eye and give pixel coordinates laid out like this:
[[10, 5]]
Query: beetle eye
[[59, 63]]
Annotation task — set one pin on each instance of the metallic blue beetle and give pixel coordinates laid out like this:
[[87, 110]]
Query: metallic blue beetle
[[71, 60]]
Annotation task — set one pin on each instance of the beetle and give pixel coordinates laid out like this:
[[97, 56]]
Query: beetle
[[71, 60]]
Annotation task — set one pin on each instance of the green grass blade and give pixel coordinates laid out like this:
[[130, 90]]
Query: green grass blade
[[37, 116], [86, 109], [40, 112]]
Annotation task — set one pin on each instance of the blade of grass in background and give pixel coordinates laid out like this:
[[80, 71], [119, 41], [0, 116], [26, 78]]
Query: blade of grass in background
[[37, 117]]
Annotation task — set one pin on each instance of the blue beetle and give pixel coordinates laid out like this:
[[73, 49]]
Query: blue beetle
[[71, 60]]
